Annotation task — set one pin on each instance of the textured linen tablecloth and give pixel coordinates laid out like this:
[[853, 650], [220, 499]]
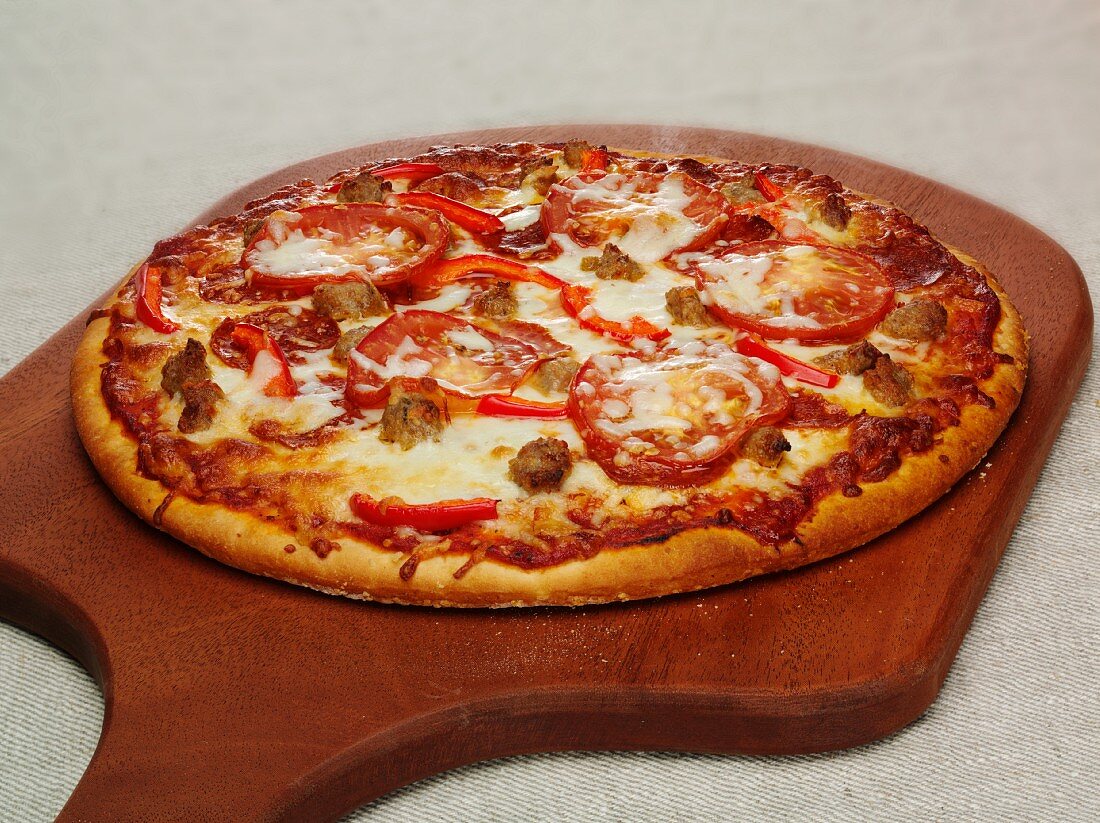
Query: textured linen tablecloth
[[121, 123]]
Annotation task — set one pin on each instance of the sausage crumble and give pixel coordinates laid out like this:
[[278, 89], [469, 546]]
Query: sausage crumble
[[541, 465], [409, 418]]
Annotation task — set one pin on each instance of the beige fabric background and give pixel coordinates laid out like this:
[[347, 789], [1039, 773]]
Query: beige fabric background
[[120, 123]]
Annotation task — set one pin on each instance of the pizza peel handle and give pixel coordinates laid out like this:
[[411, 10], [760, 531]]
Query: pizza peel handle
[[231, 697]]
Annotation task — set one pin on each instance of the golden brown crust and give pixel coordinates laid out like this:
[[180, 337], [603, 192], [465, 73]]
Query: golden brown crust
[[687, 561]]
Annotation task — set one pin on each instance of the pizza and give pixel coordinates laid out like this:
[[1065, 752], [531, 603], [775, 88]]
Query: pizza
[[554, 373]]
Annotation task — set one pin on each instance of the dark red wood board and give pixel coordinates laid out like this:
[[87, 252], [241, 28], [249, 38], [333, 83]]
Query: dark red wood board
[[235, 697]]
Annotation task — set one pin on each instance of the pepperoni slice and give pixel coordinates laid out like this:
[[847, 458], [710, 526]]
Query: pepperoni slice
[[649, 216], [293, 331], [781, 290], [533, 334], [464, 359], [674, 417], [338, 242]]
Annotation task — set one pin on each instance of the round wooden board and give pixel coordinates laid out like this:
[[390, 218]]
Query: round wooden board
[[236, 697]]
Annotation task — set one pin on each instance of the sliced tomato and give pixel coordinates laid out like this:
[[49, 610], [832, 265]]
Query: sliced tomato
[[473, 220], [499, 405], [784, 290], [465, 360], [427, 517], [577, 300], [147, 302], [787, 364], [266, 360], [341, 242], [674, 417], [649, 216]]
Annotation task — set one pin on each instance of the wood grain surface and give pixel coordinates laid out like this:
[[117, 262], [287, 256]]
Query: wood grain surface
[[236, 697]]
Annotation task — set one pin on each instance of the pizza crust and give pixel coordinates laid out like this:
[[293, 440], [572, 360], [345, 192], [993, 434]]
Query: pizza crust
[[688, 561]]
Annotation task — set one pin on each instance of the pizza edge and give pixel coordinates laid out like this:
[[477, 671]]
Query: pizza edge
[[687, 561]]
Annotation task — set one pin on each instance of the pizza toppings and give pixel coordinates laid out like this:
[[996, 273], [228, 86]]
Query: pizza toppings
[[917, 320], [268, 369], [889, 382], [786, 364], [747, 228], [555, 375], [293, 328], [349, 301], [779, 290], [574, 152], [766, 187], [413, 172], [454, 269], [578, 301], [685, 307], [630, 247], [613, 265], [853, 359], [542, 177], [765, 445], [200, 404], [742, 190], [453, 185], [427, 517], [473, 220], [364, 188], [348, 341], [499, 405], [343, 242], [833, 211], [185, 366], [541, 465], [673, 417], [647, 216], [496, 301], [409, 418], [466, 360], [148, 298]]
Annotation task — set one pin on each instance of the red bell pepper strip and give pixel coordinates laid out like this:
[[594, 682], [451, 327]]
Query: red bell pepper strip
[[594, 160], [256, 341], [442, 272], [577, 300], [147, 304], [500, 405], [428, 517], [766, 187], [473, 220], [413, 172], [750, 347]]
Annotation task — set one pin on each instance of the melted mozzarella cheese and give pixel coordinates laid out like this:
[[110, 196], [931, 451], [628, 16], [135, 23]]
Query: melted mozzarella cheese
[[401, 362], [469, 460], [658, 225], [620, 300], [448, 299], [521, 219], [299, 253]]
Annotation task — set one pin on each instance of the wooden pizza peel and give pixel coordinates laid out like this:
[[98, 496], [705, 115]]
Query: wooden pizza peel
[[235, 697]]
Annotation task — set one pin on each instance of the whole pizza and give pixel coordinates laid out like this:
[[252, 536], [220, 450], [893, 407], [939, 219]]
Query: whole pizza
[[550, 373]]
